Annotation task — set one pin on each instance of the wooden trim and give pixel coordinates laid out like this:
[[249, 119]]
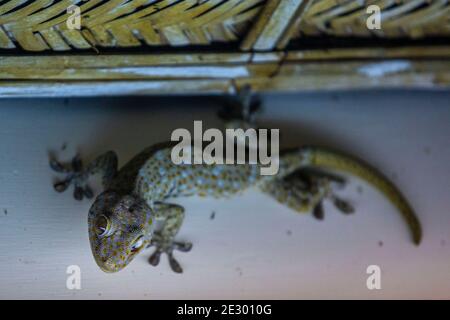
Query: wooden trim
[[418, 75], [60, 62], [406, 67], [110, 88]]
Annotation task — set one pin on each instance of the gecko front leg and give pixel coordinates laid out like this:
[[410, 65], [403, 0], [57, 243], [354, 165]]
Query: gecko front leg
[[76, 175], [172, 216]]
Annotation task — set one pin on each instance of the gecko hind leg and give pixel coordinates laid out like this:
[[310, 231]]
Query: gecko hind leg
[[78, 176], [324, 184], [163, 239], [305, 191]]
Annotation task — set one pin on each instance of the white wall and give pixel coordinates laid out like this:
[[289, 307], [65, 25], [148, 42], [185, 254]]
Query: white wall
[[254, 248]]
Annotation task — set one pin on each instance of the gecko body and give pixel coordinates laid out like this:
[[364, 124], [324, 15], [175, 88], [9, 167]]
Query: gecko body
[[122, 219]]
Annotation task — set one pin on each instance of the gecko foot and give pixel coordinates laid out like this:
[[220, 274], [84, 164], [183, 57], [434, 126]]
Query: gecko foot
[[243, 107], [165, 246], [318, 186], [74, 176], [340, 204]]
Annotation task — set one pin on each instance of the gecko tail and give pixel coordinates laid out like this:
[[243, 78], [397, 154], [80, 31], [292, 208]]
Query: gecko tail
[[333, 160]]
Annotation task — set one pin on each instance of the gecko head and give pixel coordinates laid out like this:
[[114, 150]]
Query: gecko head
[[120, 226]]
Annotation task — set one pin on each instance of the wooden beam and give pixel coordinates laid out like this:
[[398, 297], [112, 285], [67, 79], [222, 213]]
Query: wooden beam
[[417, 74], [276, 25], [350, 68]]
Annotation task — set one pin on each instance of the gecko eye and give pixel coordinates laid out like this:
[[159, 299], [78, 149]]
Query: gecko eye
[[102, 226], [137, 244]]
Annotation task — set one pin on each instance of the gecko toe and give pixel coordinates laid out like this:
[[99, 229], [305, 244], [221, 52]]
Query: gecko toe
[[57, 166], [343, 206], [182, 246], [61, 186], [77, 163], [78, 193], [318, 211], [174, 265], [155, 258], [88, 193]]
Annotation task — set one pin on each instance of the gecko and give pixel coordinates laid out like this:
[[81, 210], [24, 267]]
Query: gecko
[[123, 218]]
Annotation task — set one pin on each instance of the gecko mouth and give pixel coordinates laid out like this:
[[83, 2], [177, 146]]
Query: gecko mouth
[[108, 266], [106, 270]]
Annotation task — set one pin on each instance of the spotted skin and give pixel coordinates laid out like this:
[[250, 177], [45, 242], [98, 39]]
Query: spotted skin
[[160, 179]]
